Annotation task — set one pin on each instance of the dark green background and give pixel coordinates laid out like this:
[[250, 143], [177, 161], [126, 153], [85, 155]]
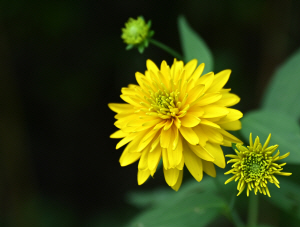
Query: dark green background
[[61, 62]]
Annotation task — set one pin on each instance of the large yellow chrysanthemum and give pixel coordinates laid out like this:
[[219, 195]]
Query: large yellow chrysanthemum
[[177, 115]]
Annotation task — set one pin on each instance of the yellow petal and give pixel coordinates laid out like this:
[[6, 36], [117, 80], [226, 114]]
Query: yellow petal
[[175, 155], [171, 176], [232, 126], [193, 163], [233, 115], [217, 152], [209, 99], [151, 66], [207, 80], [124, 114], [126, 140], [148, 124], [122, 123], [195, 93], [209, 123], [128, 91], [160, 125], [190, 67], [196, 111], [135, 143], [118, 134], [212, 134], [143, 163], [197, 72], [228, 99], [189, 120], [142, 176], [181, 164], [176, 138], [131, 100], [189, 135], [127, 157], [143, 81], [168, 124], [155, 142], [177, 122], [165, 138], [219, 81], [230, 137], [201, 152], [179, 181], [119, 107], [165, 70], [165, 158], [147, 140], [201, 135], [154, 158], [214, 111], [209, 168]]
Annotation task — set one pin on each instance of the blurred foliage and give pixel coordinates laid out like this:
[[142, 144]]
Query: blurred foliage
[[193, 46], [61, 62], [283, 93], [193, 205]]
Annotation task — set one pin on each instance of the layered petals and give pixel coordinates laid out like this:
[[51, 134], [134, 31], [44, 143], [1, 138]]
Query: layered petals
[[178, 116]]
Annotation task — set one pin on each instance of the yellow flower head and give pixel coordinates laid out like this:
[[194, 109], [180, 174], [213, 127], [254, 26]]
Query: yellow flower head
[[137, 33], [177, 115], [255, 166]]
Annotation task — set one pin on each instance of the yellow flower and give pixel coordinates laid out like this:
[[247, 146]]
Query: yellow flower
[[254, 166], [176, 115]]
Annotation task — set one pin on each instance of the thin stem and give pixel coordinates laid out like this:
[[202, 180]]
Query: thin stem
[[166, 48], [253, 211]]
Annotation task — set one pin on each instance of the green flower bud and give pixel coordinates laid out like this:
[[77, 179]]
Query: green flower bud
[[254, 166], [137, 33]]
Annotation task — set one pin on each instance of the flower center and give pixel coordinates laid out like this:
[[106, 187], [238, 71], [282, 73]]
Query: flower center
[[254, 167], [165, 104]]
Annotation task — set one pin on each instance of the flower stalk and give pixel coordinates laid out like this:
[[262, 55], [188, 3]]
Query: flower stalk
[[253, 211], [164, 47]]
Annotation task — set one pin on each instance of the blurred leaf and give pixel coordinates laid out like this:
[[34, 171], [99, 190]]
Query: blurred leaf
[[284, 129], [194, 46], [161, 195], [283, 92], [195, 204], [194, 210], [286, 197], [146, 199]]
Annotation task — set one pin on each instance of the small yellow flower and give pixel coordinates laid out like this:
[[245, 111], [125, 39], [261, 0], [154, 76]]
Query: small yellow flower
[[255, 166], [179, 116], [137, 33]]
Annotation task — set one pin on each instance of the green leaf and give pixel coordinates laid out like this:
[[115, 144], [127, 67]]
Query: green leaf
[[284, 129], [195, 204], [283, 92], [195, 210], [193, 45], [286, 197]]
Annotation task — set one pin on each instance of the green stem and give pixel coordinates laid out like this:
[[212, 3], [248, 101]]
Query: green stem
[[253, 211], [230, 211], [166, 48]]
